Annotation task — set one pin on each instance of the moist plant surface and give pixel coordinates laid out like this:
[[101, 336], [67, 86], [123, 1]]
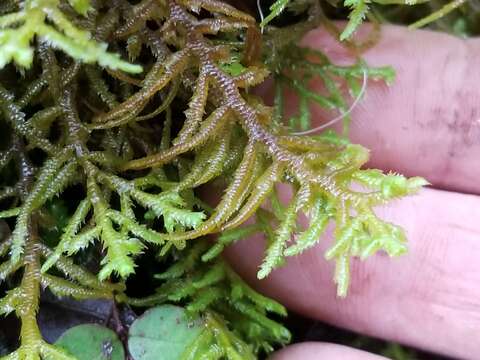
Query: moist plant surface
[[115, 113]]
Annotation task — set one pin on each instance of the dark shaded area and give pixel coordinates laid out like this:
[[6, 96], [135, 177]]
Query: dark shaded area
[[57, 315]]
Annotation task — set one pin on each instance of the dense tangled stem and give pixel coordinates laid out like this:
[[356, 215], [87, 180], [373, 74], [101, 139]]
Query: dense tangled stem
[[105, 166], [323, 182]]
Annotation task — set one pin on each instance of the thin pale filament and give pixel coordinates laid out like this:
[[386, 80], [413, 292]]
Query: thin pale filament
[[260, 11], [362, 92]]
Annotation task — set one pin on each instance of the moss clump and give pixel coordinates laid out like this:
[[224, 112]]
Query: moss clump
[[129, 145]]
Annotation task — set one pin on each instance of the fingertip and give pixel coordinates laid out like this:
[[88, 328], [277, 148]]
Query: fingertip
[[428, 121], [319, 350], [431, 289]]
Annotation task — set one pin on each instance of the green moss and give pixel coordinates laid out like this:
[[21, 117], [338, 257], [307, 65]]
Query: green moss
[[127, 154]]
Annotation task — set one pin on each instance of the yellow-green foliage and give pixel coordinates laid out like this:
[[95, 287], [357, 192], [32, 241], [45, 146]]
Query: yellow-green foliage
[[46, 20], [129, 152]]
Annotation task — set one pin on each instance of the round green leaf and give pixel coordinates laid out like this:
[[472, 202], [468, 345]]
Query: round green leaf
[[91, 342], [163, 332]]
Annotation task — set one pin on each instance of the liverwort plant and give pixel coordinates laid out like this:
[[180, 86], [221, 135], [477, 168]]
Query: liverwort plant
[[124, 109]]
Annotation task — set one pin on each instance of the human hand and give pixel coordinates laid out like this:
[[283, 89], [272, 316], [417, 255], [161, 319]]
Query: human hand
[[427, 124]]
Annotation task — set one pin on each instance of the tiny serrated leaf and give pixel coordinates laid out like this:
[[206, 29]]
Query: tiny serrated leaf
[[275, 10], [356, 17], [81, 6]]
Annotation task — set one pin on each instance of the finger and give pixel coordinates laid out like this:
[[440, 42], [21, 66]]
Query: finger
[[428, 122], [429, 298], [317, 350]]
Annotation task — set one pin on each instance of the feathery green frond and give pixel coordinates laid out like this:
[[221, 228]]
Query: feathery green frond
[[359, 10], [44, 19], [181, 161], [214, 288], [275, 9]]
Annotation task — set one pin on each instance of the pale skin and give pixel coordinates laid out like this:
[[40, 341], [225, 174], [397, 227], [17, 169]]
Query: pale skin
[[426, 124]]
